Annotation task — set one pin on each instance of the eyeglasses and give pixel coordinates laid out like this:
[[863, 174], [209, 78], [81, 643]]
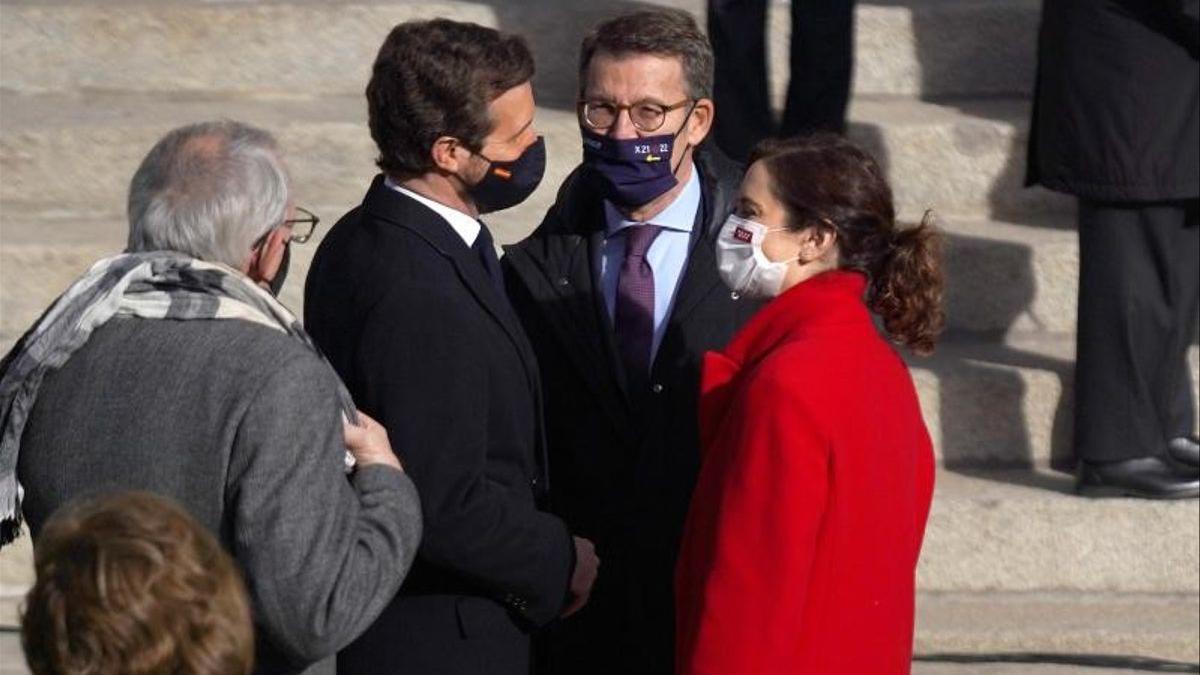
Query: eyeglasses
[[645, 115], [302, 228]]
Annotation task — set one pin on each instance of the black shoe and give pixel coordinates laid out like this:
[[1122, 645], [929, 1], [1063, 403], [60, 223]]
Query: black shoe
[[1146, 477], [1185, 450]]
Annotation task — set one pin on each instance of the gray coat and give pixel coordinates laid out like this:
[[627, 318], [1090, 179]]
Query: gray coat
[[239, 424]]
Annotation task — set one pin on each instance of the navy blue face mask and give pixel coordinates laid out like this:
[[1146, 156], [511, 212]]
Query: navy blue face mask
[[507, 184], [635, 170]]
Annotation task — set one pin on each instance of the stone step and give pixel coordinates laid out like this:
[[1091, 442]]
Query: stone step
[[988, 400], [959, 157], [1025, 531], [1132, 628], [1004, 403], [962, 160], [1000, 277], [911, 48], [73, 156], [1010, 278], [1014, 544]]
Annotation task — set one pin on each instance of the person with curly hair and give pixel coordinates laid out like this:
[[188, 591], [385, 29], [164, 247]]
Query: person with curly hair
[[128, 583], [801, 546]]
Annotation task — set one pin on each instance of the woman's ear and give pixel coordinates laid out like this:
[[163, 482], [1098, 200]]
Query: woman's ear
[[817, 242], [827, 239]]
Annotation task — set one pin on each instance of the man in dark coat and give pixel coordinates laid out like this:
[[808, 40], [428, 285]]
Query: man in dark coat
[[1117, 123], [406, 298], [619, 292]]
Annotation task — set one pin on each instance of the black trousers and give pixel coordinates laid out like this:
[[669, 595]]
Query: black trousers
[[821, 65], [1139, 297]]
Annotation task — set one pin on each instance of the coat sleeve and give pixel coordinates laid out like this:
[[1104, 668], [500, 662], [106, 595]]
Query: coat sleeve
[[322, 555], [748, 547], [424, 376]]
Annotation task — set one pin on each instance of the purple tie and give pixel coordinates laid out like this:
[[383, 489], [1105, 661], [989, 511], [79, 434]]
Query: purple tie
[[634, 315]]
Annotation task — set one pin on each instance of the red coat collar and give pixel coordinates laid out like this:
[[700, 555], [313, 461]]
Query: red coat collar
[[829, 301]]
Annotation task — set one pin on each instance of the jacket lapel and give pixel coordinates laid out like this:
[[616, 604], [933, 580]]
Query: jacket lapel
[[488, 296], [410, 214], [700, 276], [587, 331], [605, 334]]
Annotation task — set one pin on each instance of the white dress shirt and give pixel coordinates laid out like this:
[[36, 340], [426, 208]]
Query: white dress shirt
[[667, 256], [465, 225]]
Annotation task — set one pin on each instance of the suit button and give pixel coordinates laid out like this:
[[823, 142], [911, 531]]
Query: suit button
[[563, 281], [656, 388], [734, 295], [533, 483]]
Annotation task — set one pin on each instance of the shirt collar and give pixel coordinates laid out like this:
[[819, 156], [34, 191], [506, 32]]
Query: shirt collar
[[462, 224], [680, 215]]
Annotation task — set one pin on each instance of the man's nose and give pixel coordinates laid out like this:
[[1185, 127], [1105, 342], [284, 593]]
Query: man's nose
[[623, 127]]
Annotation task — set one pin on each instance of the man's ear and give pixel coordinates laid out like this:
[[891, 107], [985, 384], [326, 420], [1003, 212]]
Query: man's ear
[[266, 260], [701, 121], [447, 154]]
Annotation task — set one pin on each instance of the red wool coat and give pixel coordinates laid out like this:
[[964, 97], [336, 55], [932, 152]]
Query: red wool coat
[[801, 545]]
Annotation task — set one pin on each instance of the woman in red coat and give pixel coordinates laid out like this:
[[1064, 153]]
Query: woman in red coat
[[801, 546]]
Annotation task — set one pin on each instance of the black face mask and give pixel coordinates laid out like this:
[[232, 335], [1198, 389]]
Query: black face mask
[[276, 283], [507, 184]]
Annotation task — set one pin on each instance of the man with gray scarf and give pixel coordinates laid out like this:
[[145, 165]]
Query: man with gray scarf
[[172, 368]]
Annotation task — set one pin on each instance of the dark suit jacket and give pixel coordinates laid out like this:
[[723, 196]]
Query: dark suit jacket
[[429, 346], [623, 462]]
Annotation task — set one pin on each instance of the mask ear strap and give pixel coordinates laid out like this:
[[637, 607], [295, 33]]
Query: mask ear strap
[[482, 156], [681, 128], [467, 186]]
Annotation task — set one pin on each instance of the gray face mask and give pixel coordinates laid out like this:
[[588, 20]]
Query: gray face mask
[[276, 283]]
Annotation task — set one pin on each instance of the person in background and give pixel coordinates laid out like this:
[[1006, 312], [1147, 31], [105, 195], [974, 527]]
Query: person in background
[[173, 369], [801, 545], [619, 293], [821, 63], [1116, 122], [130, 584], [406, 298]]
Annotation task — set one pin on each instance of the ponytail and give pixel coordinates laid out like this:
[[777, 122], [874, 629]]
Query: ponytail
[[906, 289], [823, 178]]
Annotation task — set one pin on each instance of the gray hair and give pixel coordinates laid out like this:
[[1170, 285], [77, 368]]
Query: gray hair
[[659, 31], [208, 190]]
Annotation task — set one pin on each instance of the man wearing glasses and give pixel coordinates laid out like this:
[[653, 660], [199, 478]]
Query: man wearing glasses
[[618, 290], [169, 368]]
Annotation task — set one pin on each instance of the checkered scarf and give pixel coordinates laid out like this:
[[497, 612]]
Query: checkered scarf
[[150, 285]]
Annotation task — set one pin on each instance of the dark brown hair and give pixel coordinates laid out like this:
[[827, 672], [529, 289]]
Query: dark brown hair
[[436, 78], [662, 32], [129, 584], [824, 180]]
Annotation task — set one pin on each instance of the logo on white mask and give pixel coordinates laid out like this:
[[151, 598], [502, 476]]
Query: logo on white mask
[[743, 266]]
